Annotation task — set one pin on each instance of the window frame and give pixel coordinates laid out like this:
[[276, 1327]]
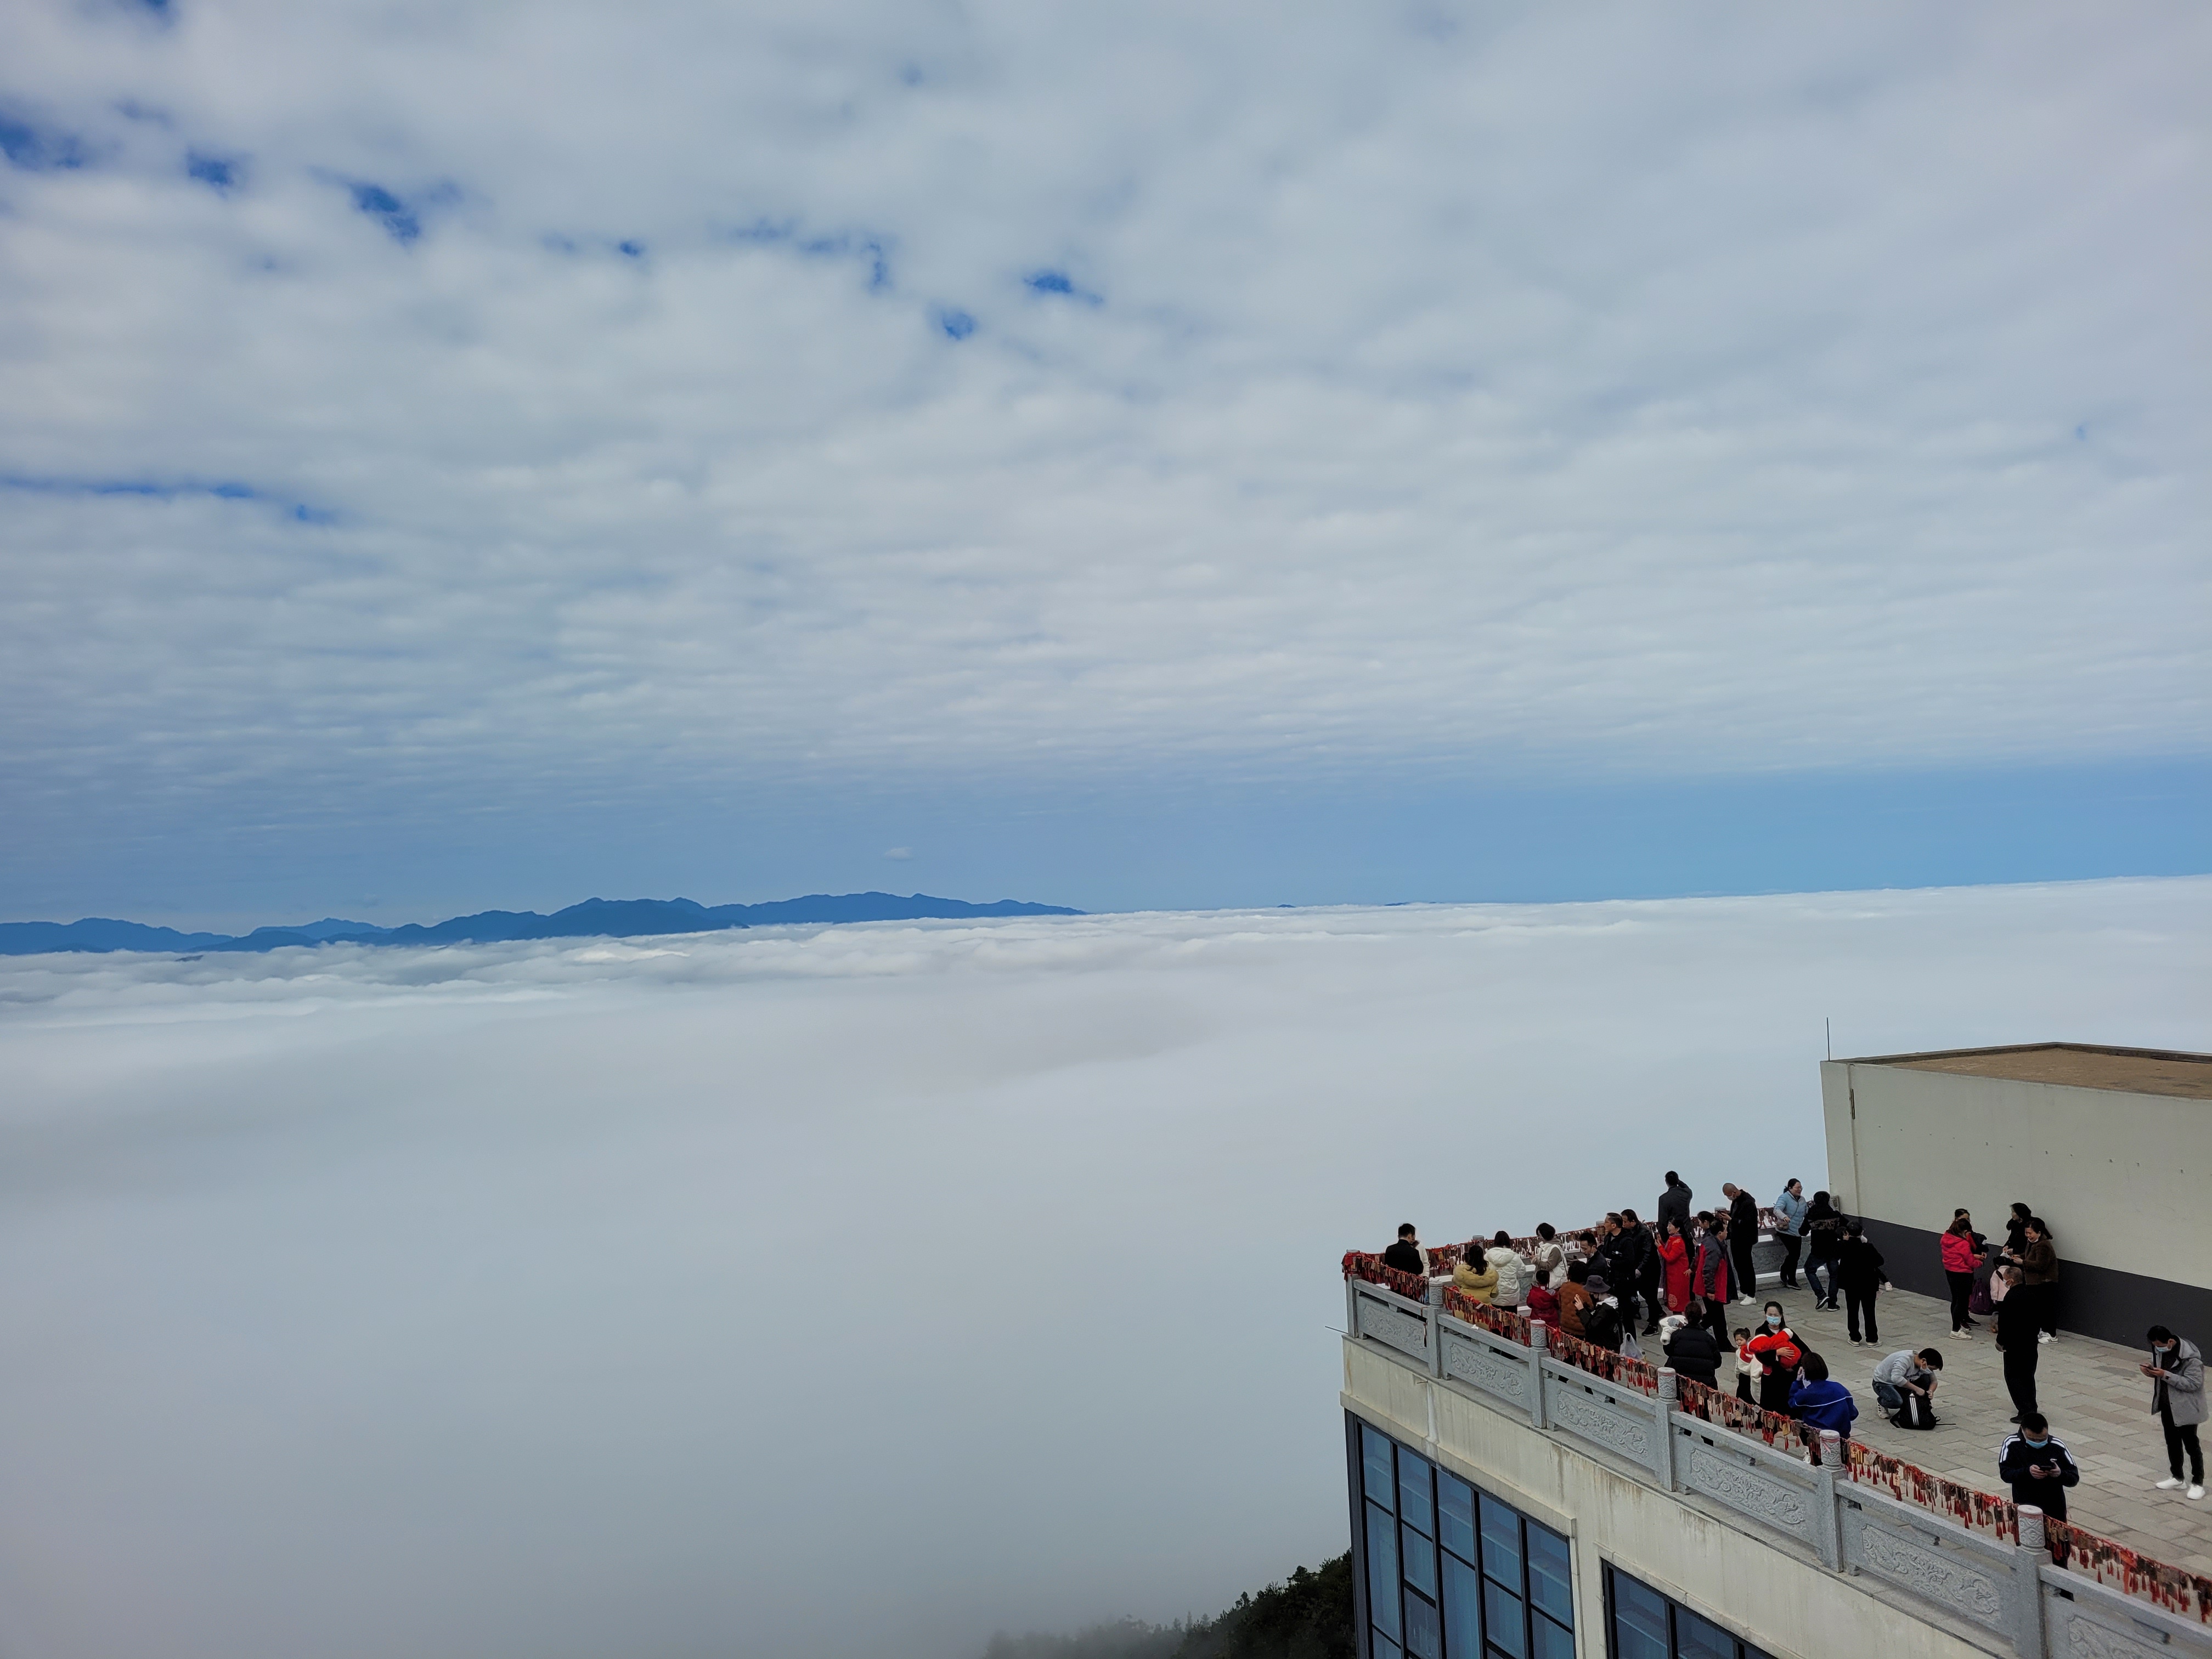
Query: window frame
[[1744, 1648]]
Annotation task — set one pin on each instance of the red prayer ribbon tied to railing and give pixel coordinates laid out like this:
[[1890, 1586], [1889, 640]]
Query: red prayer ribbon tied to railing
[[1605, 1363], [1977, 1512], [1358, 1264], [1723, 1410], [2174, 1589], [1507, 1322], [1443, 1258]]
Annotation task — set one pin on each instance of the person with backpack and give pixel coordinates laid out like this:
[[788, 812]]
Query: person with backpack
[[1789, 1228], [1857, 1272], [1819, 1402], [2177, 1396], [1824, 1238], [2016, 1332], [2038, 1464], [1905, 1384], [1776, 1351], [1960, 1260]]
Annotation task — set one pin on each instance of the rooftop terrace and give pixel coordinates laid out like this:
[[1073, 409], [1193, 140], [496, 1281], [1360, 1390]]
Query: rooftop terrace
[[2074, 1065]]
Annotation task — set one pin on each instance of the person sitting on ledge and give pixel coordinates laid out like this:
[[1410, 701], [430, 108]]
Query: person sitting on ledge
[[1819, 1402], [1406, 1254], [2038, 1466], [1477, 1278]]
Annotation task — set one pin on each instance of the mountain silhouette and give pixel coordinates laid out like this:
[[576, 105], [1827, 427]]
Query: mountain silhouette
[[595, 918]]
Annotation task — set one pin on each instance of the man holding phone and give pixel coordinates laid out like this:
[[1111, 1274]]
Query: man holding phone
[[2038, 1466]]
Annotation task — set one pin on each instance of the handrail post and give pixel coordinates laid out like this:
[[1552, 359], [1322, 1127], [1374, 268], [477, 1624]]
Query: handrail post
[[1540, 1342], [1670, 1391], [1828, 1533], [1352, 1307], [1433, 1312], [2027, 1639]]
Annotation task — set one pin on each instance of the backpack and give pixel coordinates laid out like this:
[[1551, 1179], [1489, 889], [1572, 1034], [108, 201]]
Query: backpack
[[1918, 1412]]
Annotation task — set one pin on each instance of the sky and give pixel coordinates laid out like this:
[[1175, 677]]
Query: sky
[[808, 1293], [1146, 456]]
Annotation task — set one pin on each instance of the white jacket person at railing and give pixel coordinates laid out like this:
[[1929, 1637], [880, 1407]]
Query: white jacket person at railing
[[1515, 1275]]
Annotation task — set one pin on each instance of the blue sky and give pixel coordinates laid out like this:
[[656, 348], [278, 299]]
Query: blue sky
[[1126, 460]]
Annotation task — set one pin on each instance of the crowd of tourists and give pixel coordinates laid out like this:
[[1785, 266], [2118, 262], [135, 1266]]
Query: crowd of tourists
[[1672, 1280]]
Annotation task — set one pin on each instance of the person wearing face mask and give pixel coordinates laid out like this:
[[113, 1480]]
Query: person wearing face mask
[[2038, 1466], [2177, 1395], [1777, 1353]]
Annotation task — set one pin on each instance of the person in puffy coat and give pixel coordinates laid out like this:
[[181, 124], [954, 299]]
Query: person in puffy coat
[[1691, 1349], [1674, 1268], [1543, 1301], [1960, 1260], [1478, 1278], [2177, 1398], [1513, 1275], [1819, 1402]]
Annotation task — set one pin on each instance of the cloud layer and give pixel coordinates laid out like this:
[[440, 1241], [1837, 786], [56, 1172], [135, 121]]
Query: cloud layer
[[853, 1292], [524, 405]]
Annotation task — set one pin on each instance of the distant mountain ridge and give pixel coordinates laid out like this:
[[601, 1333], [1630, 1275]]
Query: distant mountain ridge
[[594, 918]]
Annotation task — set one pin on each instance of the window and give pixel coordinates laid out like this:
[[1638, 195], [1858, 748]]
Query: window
[[1646, 1624], [1453, 1572]]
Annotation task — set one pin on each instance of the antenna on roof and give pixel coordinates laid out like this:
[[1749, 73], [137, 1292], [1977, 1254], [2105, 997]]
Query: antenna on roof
[[1828, 1027]]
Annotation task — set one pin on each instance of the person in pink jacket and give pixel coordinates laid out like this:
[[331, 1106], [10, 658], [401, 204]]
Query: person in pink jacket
[[1961, 1258]]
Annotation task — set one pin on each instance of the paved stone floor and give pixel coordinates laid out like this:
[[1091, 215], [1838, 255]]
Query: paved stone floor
[[2098, 1403]]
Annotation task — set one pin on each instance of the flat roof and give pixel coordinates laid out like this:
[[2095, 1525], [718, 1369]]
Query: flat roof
[[2075, 1064]]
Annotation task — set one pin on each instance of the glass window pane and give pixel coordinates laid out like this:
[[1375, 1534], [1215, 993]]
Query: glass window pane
[[1504, 1623], [1375, 1457], [1421, 1629], [1456, 1515], [1501, 1542], [1550, 1579], [1700, 1639], [1640, 1619], [1462, 1611], [1549, 1640], [1384, 1647], [1421, 1563], [1382, 1571], [1413, 1506]]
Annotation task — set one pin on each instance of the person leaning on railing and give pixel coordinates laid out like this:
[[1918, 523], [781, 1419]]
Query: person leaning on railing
[[1406, 1255], [1575, 1297], [1478, 1278]]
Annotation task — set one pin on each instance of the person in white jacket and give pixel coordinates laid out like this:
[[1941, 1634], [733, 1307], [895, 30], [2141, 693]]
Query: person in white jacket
[[1515, 1275]]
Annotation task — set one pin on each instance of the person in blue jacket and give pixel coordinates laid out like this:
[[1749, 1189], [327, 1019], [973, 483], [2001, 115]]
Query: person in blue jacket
[[1820, 1402]]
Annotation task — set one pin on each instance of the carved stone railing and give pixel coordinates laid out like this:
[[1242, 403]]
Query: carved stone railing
[[2007, 1591]]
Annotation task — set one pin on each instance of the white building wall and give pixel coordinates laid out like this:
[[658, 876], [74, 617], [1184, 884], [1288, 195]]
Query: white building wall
[[2122, 1178]]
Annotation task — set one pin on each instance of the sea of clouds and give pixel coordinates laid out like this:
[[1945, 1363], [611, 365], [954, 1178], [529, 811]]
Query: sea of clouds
[[856, 1291]]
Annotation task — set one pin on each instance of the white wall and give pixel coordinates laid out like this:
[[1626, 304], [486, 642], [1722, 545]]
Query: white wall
[[2121, 1177]]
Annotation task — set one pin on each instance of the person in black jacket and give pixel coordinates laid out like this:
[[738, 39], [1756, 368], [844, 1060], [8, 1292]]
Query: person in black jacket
[[2037, 1464], [1691, 1348], [1632, 1254], [1858, 1274], [1743, 1236], [1406, 1254], [2017, 1329], [1674, 1205]]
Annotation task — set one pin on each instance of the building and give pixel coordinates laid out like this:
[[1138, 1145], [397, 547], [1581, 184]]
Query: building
[[2112, 1146], [1514, 1494]]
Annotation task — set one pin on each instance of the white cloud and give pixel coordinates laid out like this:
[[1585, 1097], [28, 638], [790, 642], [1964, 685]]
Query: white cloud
[[1596, 392], [849, 1291]]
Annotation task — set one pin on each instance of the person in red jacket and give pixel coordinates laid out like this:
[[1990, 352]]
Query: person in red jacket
[[1960, 1260], [1709, 1277], [1674, 1267]]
